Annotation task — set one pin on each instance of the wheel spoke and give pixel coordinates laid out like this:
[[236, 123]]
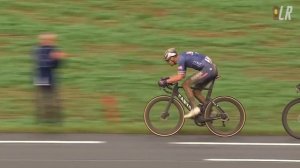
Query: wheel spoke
[[161, 122], [229, 116]]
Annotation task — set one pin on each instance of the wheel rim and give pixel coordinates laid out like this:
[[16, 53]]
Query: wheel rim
[[159, 126], [235, 121], [292, 120]]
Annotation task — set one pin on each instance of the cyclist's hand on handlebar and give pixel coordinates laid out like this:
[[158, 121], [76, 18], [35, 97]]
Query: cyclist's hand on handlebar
[[162, 83]]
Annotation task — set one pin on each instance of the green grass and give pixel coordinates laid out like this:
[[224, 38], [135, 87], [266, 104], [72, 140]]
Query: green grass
[[116, 49]]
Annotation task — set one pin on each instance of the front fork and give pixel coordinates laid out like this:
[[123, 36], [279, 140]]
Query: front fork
[[166, 113]]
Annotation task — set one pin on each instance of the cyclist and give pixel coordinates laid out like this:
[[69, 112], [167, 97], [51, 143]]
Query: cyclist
[[207, 71]]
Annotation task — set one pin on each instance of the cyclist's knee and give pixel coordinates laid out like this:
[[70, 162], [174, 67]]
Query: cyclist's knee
[[197, 92], [186, 84]]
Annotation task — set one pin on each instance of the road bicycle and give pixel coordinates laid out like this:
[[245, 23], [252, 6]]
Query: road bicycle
[[224, 116], [291, 117]]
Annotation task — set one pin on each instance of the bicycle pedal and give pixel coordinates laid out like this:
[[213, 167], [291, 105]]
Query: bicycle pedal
[[199, 120], [200, 124]]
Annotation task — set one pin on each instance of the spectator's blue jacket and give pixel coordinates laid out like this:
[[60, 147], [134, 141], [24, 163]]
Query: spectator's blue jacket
[[44, 74]]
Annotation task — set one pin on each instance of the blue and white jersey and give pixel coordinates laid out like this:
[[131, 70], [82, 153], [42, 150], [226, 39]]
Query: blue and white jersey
[[193, 60]]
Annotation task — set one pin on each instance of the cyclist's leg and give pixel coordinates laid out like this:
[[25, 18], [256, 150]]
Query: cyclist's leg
[[192, 80], [199, 85], [199, 96], [202, 82], [189, 91]]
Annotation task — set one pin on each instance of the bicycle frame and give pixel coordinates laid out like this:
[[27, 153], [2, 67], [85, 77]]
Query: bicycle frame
[[175, 93], [215, 112]]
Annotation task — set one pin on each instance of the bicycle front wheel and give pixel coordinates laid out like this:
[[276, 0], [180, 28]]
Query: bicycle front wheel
[[226, 116], [291, 118], [159, 120]]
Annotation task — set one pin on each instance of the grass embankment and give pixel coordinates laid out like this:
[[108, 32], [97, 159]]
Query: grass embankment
[[116, 50]]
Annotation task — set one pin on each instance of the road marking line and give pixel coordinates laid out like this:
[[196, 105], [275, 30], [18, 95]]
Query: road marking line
[[235, 143], [52, 142], [252, 160], [91, 160]]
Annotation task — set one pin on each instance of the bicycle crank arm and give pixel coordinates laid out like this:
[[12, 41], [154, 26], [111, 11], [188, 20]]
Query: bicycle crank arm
[[209, 119]]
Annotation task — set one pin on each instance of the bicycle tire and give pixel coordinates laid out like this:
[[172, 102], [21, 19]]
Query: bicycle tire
[[179, 120], [287, 124], [227, 104]]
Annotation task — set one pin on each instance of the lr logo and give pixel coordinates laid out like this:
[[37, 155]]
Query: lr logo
[[278, 13]]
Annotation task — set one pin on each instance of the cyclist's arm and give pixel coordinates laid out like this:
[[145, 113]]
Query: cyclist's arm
[[181, 71], [175, 78]]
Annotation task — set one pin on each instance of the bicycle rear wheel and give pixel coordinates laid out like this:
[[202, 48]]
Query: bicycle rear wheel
[[291, 118], [227, 116], [171, 124]]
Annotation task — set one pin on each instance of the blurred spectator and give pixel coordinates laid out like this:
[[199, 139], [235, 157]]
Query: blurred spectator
[[47, 58]]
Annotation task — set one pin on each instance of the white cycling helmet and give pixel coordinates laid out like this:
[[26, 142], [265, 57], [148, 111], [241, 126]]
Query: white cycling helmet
[[171, 52]]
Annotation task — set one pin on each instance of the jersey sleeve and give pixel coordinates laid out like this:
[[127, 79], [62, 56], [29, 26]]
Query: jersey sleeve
[[181, 65]]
